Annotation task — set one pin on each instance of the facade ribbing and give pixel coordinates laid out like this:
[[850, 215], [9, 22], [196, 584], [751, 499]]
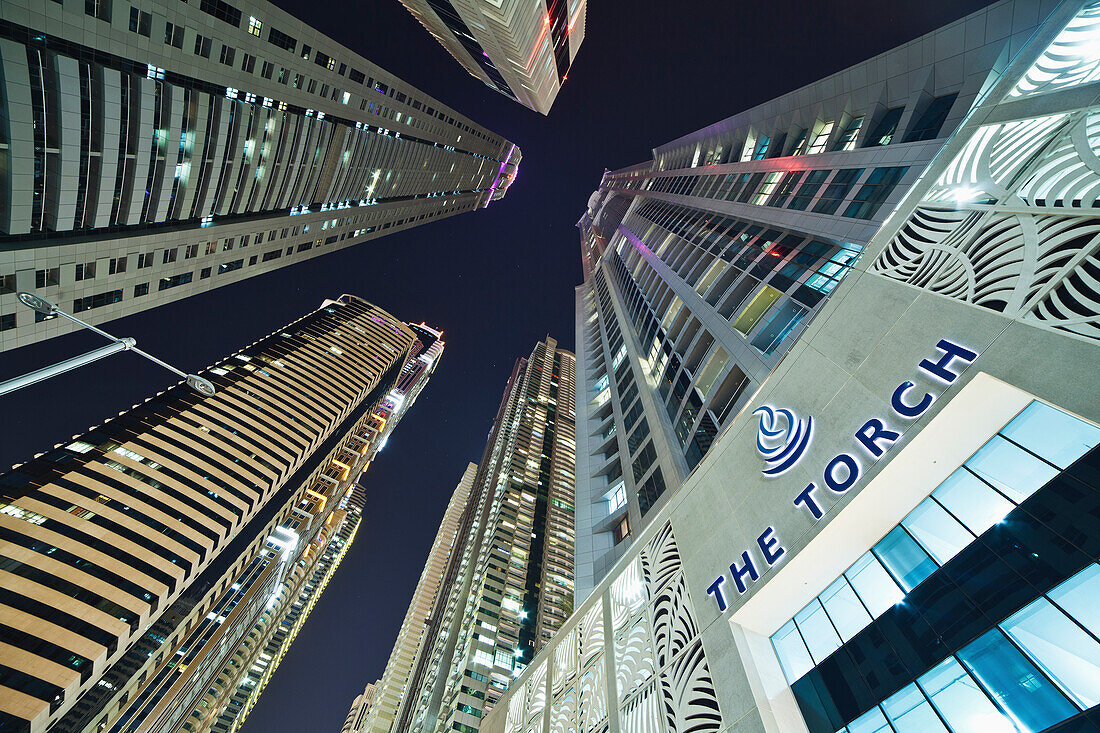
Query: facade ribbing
[[148, 562], [155, 150], [509, 583], [521, 49], [703, 266], [896, 530], [392, 689]]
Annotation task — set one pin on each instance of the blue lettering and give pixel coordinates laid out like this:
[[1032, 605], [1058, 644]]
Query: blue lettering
[[806, 499], [951, 351], [909, 411], [740, 573], [767, 541], [840, 486], [715, 590], [872, 431]]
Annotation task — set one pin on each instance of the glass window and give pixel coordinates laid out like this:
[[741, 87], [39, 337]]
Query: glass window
[[808, 190], [887, 126], [617, 499], [791, 650], [651, 491], [1056, 436], [817, 630], [930, 122], [872, 721], [1060, 647], [937, 531], [708, 375], [909, 712], [872, 194], [960, 701], [975, 504], [874, 585], [756, 309], [847, 139], [779, 326], [844, 608], [837, 190], [904, 558], [821, 138], [1015, 472], [1080, 598], [1030, 699]]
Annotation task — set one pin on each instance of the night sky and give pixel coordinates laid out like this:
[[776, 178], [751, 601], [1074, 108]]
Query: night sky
[[495, 280]]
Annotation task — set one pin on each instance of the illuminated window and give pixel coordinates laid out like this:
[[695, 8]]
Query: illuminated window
[[847, 139], [820, 139], [762, 148], [254, 26], [617, 499]]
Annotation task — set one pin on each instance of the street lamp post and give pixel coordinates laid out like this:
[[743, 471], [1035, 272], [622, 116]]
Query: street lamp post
[[46, 308]]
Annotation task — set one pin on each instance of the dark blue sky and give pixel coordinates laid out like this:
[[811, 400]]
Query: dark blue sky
[[495, 281]]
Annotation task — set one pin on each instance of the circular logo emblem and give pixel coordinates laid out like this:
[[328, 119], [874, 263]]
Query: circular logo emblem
[[782, 439]]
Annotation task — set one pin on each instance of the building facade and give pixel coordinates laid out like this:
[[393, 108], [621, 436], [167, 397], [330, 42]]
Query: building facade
[[153, 150], [521, 49], [391, 691], [508, 584], [703, 266], [359, 708], [163, 560], [897, 529], [251, 665]]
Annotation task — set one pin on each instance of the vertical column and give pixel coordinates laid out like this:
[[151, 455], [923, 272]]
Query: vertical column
[[142, 109], [210, 189], [112, 139], [68, 119], [174, 123], [17, 103]]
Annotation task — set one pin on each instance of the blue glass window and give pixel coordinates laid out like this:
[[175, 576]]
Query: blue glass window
[[960, 701], [973, 502], [873, 721], [1018, 688], [844, 608], [1080, 597], [937, 531], [909, 712], [904, 558], [1061, 648], [791, 650], [873, 584], [1056, 436], [1010, 469], [817, 630]]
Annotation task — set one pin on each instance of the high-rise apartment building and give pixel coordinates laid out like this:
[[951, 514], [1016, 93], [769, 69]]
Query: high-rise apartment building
[[508, 584], [895, 528], [359, 708], [390, 693], [521, 49], [153, 150], [239, 683], [704, 265], [155, 568]]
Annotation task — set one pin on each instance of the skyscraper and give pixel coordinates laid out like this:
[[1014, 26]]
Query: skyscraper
[[155, 151], [704, 265], [896, 529], [508, 583], [237, 688], [521, 49], [391, 692], [163, 560], [359, 708]]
